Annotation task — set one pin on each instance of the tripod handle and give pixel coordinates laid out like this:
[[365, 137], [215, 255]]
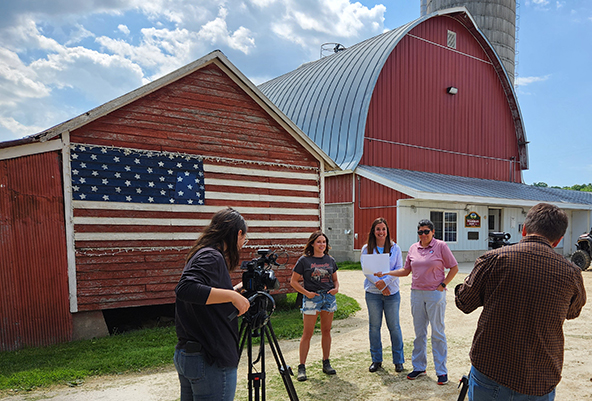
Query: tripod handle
[[251, 299]]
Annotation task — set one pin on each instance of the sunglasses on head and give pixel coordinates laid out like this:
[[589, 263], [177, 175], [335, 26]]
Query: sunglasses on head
[[424, 232]]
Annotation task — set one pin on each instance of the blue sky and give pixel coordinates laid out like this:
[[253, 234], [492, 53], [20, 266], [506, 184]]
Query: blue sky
[[61, 58]]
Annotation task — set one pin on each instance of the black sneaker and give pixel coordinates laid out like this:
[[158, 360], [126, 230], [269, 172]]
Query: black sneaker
[[415, 374], [443, 379], [327, 367], [399, 367], [301, 372]]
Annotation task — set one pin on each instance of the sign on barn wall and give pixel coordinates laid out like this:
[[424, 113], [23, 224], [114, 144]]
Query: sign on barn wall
[[473, 220]]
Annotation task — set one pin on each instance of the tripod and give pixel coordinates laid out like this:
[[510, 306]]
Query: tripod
[[256, 324]]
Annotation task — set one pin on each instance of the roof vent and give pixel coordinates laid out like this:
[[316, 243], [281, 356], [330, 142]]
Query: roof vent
[[329, 48], [451, 40]]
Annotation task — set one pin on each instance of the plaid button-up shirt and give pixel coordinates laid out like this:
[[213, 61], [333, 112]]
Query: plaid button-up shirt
[[527, 290]]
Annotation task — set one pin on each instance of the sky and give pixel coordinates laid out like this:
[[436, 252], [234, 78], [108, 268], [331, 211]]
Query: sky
[[61, 58]]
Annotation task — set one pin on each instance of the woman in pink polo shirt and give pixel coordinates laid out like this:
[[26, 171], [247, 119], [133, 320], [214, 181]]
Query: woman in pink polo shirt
[[427, 260]]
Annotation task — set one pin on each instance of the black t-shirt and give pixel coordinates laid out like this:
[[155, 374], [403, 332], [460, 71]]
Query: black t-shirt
[[317, 273], [208, 325]]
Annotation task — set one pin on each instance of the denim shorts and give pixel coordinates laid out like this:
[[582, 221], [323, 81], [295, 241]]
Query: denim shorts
[[323, 301]]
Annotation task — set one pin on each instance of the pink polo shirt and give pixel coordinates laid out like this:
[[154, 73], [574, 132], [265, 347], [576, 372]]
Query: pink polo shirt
[[428, 264]]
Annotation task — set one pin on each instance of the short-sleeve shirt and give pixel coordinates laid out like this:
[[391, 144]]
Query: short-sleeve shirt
[[428, 264], [317, 273]]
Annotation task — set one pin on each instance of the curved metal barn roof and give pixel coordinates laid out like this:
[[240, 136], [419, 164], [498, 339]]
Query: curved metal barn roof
[[329, 98]]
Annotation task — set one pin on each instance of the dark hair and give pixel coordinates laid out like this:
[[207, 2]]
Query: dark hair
[[546, 220], [308, 248], [372, 237], [222, 234], [427, 223]]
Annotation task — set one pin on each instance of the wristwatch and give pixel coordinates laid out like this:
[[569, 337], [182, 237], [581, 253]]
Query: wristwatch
[[443, 284]]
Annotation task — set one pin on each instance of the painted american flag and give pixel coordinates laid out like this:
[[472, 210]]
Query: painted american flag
[[129, 238], [129, 198], [123, 175]]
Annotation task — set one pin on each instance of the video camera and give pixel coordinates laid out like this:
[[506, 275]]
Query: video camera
[[258, 275], [498, 239]]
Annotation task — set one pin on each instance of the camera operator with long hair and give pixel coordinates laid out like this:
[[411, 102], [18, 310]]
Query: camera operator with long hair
[[206, 356], [318, 271]]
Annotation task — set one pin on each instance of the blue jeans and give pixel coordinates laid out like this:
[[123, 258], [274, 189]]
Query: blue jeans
[[482, 388], [200, 381], [429, 307], [389, 305]]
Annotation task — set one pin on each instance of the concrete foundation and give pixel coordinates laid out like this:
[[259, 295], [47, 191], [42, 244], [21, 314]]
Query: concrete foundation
[[88, 325], [339, 228]]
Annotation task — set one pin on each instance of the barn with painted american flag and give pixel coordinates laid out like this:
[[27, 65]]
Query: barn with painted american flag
[[98, 212]]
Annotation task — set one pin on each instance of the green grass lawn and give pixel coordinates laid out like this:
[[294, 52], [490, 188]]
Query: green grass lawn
[[70, 363], [349, 266]]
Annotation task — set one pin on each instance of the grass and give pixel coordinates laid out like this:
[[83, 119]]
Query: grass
[[349, 266], [139, 350]]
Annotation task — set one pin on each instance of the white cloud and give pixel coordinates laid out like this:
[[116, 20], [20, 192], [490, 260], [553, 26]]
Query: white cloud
[[43, 61], [524, 81], [17, 81], [541, 2], [123, 28], [78, 34], [263, 3], [217, 32], [97, 76], [16, 129], [333, 17]]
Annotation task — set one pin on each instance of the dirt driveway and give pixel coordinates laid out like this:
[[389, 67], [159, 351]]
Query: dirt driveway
[[350, 357]]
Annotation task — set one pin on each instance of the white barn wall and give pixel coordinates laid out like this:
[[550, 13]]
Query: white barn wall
[[512, 220], [410, 211], [579, 224]]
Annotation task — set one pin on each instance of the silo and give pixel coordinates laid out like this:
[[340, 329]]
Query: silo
[[495, 18]]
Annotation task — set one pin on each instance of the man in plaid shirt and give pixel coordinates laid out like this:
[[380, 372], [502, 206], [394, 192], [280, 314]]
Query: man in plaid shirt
[[527, 290]]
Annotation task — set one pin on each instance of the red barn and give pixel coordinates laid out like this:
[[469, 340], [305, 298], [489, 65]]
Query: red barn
[[424, 123], [99, 211]]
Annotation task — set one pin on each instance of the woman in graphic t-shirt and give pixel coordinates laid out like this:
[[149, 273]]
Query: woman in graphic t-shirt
[[318, 271]]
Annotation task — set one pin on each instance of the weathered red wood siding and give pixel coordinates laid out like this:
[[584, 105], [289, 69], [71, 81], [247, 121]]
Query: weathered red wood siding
[[205, 113], [414, 124], [34, 306], [339, 188], [374, 200]]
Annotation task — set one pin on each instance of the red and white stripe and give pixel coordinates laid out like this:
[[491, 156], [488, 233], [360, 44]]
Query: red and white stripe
[[280, 205]]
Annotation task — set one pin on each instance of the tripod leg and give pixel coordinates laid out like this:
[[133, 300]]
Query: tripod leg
[[254, 379], [242, 337], [284, 369], [250, 357]]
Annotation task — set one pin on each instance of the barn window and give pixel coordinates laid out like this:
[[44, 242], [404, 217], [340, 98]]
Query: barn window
[[451, 40], [445, 225]]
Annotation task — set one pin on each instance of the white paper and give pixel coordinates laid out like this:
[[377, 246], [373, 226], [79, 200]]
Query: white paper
[[375, 263]]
